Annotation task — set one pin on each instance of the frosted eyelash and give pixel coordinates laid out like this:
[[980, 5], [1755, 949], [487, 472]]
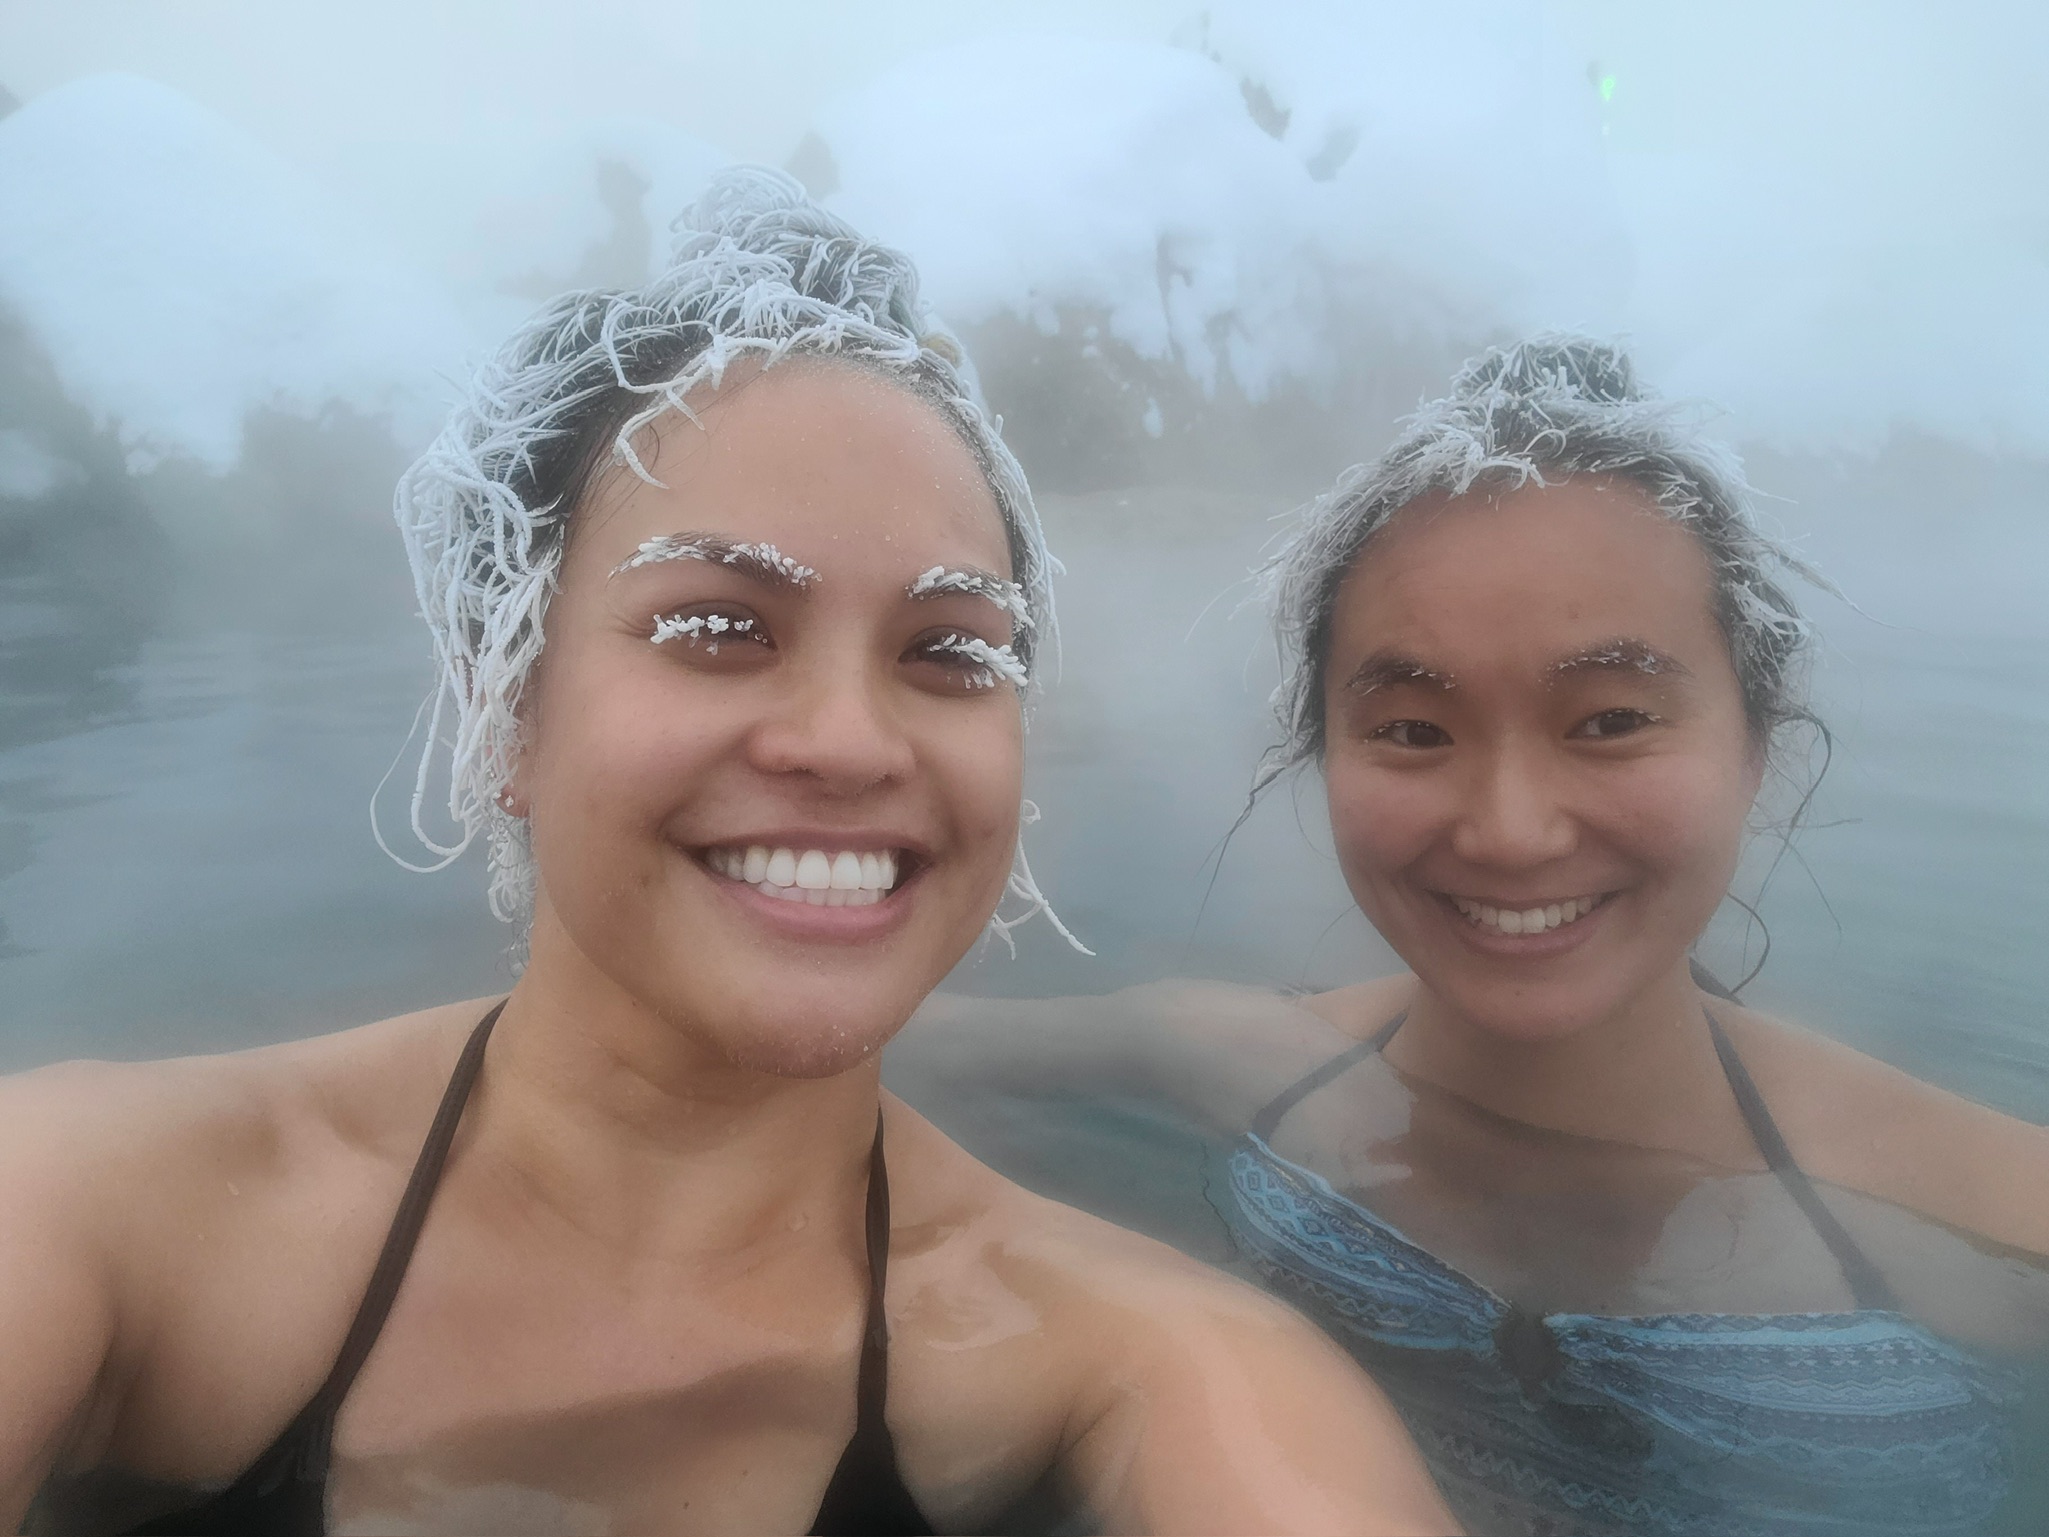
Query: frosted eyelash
[[995, 661], [691, 627]]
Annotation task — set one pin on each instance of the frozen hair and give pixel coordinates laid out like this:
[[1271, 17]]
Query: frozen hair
[[1534, 414], [758, 274]]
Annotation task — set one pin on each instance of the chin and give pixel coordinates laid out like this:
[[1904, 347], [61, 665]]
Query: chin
[[823, 1045], [1530, 1012]]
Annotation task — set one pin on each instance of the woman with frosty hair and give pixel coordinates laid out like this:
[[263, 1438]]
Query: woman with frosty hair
[[1628, 1255], [737, 595]]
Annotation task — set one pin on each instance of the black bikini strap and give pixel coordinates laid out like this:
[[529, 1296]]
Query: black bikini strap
[[1867, 1285], [867, 1493], [405, 1226], [1268, 1120], [872, 1393]]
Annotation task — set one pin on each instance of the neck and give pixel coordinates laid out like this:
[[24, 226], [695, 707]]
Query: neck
[[633, 1130], [1646, 1074]]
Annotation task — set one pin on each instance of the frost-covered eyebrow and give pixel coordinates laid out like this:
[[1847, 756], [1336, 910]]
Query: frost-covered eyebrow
[[1386, 669], [763, 562], [1624, 653], [977, 583]]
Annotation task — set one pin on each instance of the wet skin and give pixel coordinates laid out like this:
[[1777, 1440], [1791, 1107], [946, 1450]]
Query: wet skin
[[637, 1301], [1567, 725], [1531, 704]]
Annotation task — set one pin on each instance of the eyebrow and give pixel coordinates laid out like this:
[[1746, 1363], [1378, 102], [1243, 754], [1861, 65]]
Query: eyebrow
[[1624, 653], [1388, 669], [762, 562], [941, 581]]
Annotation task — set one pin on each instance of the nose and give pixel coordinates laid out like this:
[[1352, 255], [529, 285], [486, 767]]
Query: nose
[[1515, 812], [834, 726]]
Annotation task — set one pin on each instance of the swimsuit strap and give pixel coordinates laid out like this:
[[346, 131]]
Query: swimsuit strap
[[873, 1388], [1867, 1285], [1268, 1120], [867, 1493], [397, 1253], [283, 1493]]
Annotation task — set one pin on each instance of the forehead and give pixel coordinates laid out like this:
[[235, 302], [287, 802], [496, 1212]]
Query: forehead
[[837, 467], [1527, 573]]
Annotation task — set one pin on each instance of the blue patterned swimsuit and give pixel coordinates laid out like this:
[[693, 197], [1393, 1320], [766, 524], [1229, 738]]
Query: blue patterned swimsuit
[[1716, 1424]]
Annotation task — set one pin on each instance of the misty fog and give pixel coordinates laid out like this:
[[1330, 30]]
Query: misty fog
[[1203, 258]]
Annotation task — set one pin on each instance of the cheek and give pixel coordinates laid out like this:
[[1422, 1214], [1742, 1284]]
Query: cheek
[[1683, 815], [1379, 821], [980, 774], [613, 751]]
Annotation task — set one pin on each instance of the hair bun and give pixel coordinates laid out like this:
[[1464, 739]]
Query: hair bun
[[1590, 370]]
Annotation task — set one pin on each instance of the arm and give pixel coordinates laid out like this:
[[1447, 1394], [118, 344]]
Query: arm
[[1865, 1125], [1228, 1413], [1214, 1051], [57, 1298]]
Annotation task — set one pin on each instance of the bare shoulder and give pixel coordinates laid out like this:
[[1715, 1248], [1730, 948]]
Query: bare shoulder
[[149, 1165], [1861, 1123], [76, 1124], [165, 1218], [1364, 1007]]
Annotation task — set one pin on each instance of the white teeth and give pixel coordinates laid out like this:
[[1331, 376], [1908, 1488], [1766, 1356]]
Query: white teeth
[[1528, 920], [814, 876]]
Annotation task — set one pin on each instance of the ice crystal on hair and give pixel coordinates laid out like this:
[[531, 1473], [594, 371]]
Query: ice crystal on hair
[[1006, 595], [676, 627], [1537, 413], [720, 552], [1025, 887], [758, 274], [768, 555], [653, 552], [996, 661]]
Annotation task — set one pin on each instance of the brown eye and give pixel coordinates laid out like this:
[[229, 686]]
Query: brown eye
[[1609, 724], [1410, 733]]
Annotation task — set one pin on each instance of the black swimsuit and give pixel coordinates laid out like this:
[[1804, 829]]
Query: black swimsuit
[[284, 1492]]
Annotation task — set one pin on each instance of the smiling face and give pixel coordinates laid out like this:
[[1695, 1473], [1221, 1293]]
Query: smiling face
[[1538, 762], [772, 776]]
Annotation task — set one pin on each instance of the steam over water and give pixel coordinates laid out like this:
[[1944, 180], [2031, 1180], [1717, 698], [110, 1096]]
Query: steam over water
[[1203, 256], [189, 866]]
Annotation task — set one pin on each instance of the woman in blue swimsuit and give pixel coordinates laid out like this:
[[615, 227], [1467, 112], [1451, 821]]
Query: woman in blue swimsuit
[[736, 592], [1629, 1256]]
